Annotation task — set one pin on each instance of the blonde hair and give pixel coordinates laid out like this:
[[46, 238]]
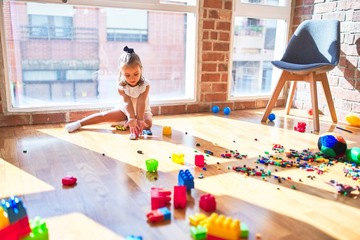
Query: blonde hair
[[129, 58]]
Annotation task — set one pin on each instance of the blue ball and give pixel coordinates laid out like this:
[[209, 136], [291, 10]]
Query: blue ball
[[271, 117], [227, 110], [215, 109]]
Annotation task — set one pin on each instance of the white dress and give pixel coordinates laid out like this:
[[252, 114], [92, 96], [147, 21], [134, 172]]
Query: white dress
[[134, 93]]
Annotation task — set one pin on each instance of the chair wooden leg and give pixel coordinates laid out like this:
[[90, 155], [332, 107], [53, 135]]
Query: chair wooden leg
[[290, 98], [314, 100], [327, 92], [275, 95]]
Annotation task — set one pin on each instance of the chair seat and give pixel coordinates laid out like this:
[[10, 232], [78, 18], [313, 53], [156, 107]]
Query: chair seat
[[293, 67]]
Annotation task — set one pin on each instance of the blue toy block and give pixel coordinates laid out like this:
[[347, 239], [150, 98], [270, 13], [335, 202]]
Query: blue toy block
[[14, 208], [185, 178], [165, 211]]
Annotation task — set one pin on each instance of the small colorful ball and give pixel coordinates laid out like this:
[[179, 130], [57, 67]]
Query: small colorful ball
[[353, 155], [227, 110], [332, 145], [271, 117], [215, 109]]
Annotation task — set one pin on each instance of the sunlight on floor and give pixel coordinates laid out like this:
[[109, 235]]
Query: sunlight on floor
[[18, 182]]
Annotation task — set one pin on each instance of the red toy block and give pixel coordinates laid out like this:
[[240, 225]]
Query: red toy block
[[159, 198], [159, 215], [179, 196], [199, 160], [17, 230], [211, 237], [207, 202], [301, 126], [69, 181]]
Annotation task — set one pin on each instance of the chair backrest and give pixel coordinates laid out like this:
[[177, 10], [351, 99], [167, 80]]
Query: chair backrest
[[314, 41]]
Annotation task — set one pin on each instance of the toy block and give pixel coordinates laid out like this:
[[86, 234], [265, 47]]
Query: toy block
[[159, 215], [301, 127], [178, 158], [152, 165], [223, 227], [14, 208], [133, 237], [39, 230], [197, 218], [159, 198], [211, 237], [198, 232], [199, 160], [185, 178], [4, 220], [244, 229], [16, 230], [207, 202], [179, 196], [167, 130]]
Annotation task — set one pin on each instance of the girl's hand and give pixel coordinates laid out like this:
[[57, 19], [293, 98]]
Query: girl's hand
[[133, 125], [141, 124]]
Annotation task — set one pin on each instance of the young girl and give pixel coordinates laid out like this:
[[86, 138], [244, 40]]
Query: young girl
[[134, 107]]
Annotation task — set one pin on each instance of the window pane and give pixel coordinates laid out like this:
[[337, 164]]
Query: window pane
[[253, 51], [63, 56], [267, 2]]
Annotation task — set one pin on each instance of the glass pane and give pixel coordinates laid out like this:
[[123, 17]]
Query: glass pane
[[63, 55], [180, 2], [253, 50], [267, 2]]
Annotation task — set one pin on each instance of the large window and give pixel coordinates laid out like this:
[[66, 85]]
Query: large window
[[259, 36], [63, 55]]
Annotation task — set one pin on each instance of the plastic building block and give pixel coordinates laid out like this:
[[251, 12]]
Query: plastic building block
[[69, 181], [207, 202], [159, 215], [199, 160], [209, 152], [14, 208], [167, 130], [197, 218], [159, 198], [301, 126], [223, 227], [133, 237], [179, 196], [198, 232], [4, 220], [39, 230], [152, 165], [185, 178], [178, 158], [244, 229]]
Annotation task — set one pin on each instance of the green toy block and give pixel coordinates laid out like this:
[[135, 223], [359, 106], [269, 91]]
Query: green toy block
[[244, 230], [39, 230], [152, 165], [198, 233]]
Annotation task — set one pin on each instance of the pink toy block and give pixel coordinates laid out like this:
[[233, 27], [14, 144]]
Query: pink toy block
[[159, 198], [179, 196], [207, 202], [199, 160]]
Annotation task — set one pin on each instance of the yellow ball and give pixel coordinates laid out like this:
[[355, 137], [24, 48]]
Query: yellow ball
[[353, 120]]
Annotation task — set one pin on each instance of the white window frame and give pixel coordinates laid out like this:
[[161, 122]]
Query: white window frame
[[251, 10], [151, 5]]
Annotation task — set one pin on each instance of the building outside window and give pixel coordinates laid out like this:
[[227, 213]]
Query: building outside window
[[63, 55], [258, 38]]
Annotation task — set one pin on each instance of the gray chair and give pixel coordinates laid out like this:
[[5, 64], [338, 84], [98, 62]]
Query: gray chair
[[313, 50]]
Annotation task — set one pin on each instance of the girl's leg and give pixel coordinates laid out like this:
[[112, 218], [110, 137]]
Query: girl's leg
[[148, 120], [113, 115]]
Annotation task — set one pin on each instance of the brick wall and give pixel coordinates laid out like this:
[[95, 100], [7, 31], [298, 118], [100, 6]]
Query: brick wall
[[213, 57], [345, 78]]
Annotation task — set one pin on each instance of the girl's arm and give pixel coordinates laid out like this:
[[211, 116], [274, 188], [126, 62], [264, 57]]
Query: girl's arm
[[141, 103], [130, 113]]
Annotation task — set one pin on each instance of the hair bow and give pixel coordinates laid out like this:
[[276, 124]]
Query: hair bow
[[128, 50]]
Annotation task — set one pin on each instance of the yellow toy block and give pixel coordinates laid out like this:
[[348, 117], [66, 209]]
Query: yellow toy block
[[197, 218], [167, 130], [178, 158], [222, 227], [4, 220]]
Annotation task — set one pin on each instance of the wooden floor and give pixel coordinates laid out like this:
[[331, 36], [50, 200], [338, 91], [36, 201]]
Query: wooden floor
[[112, 196]]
